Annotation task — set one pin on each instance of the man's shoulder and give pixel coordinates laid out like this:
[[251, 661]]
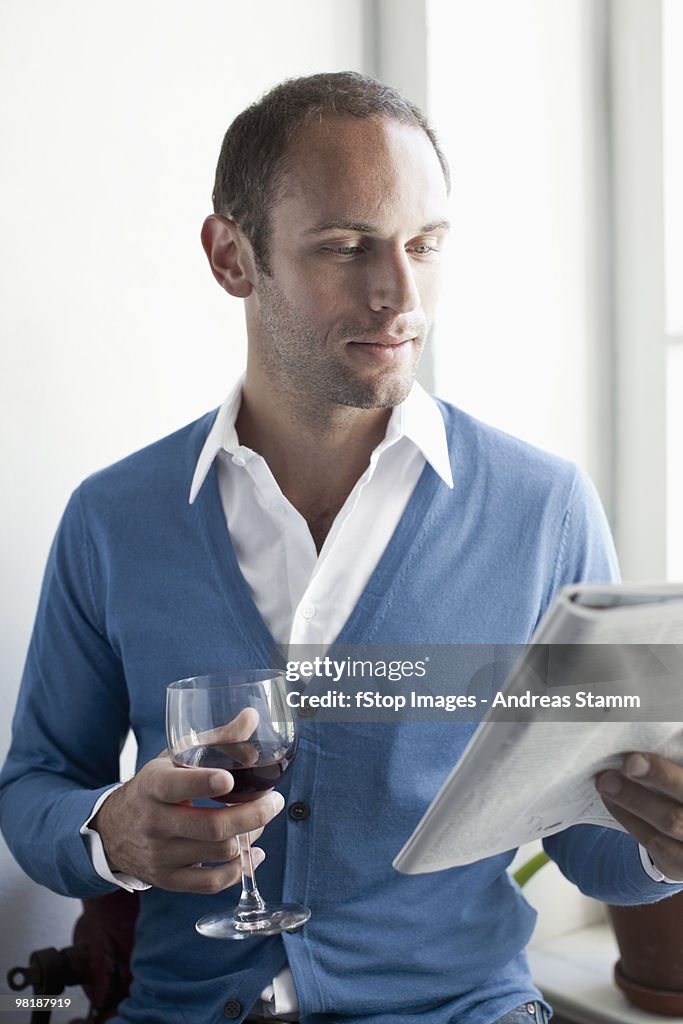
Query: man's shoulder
[[525, 491], [473, 442], [152, 472]]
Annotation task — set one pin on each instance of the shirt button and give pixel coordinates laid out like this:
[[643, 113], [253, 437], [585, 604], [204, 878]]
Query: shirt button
[[239, 460], [232, 1009], [299, 811], [308, 611]]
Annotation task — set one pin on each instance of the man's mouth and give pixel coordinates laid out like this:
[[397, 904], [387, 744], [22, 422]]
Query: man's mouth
[[385, 346], [387, 340]]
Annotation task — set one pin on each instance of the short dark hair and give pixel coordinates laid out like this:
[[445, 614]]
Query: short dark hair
[[251, 164]]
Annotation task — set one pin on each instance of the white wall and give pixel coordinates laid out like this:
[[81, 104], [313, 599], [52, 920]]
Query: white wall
[[113, 331]]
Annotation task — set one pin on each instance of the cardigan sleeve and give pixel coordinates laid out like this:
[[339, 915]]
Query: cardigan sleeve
[[70, 722], [606, 865], [583, 547]]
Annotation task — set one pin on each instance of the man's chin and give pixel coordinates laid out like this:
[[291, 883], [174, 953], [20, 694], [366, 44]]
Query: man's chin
[[381, 376], [381, 394]]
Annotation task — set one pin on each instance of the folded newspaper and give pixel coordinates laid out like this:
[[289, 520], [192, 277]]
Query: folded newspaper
[[525, 779]]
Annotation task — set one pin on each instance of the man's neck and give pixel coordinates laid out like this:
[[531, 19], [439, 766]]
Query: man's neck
[[316, 455]]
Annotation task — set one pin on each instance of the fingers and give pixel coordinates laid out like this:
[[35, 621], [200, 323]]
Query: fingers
[[244, 753], [206, 825], [656, 773], [239, 729], [151, 830], [189, 852], [211, 880], [646, 797], [649, 786], [167, 784]]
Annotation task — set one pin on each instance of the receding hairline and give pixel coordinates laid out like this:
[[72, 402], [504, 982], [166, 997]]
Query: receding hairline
[[290, 160], [328, 116]]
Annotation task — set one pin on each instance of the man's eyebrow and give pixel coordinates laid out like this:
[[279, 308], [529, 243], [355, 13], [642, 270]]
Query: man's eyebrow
[[363, 228], [435, 225], [359, 226]]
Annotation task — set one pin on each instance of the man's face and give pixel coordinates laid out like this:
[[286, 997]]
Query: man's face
[[355, 258]]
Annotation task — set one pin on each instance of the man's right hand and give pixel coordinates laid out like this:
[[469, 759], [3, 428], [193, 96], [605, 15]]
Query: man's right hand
[[150, 829]]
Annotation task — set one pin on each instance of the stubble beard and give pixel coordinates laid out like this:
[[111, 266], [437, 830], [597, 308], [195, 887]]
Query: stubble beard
[[306, 366]]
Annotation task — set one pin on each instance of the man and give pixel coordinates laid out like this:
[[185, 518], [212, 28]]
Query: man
[[357, 508]]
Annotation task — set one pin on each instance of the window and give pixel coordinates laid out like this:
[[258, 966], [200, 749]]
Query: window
[[672, 90], [562, 319]]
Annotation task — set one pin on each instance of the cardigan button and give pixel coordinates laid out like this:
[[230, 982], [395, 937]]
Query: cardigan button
[[299, 811], [232, 1009]]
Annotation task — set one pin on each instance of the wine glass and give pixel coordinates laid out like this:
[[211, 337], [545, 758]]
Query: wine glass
[[238, 720]]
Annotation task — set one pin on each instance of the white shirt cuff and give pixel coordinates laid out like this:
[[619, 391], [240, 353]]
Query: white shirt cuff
[[95, 847], [653, 871]]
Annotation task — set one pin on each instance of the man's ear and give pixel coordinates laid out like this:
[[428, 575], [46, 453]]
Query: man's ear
[[229, 255]]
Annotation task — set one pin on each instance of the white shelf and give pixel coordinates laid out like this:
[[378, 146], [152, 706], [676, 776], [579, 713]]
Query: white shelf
[[575, 973]]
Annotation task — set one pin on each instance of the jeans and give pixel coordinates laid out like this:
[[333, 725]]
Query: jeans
[[526, 1013]]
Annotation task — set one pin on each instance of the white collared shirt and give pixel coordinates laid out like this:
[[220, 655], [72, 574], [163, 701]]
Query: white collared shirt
[[305, 597]]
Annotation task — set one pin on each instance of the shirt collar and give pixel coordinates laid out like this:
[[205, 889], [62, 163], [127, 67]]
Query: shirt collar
[[221, 437], [417, 418]]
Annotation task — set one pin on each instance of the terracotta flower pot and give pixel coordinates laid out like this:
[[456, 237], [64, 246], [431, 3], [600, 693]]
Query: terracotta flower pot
[[650, 938]]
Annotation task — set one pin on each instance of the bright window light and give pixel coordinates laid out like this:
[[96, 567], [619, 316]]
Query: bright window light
[[672, 83], [673, 162], [675, 462]]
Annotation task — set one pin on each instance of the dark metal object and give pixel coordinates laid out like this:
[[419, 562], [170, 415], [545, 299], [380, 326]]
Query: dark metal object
[[99, 959]]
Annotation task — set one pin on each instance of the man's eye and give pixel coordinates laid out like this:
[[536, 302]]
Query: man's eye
[[424, 249], [345, 250]]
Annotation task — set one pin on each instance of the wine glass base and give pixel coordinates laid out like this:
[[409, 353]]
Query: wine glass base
[[274, 919]]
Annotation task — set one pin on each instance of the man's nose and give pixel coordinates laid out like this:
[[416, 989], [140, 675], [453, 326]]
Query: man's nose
[[392, 284]]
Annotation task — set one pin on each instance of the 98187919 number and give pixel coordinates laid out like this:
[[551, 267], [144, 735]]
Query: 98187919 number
[[40, 1002], [9, 1003]]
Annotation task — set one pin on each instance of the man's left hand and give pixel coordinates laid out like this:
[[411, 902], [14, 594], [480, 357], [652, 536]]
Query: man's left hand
[[646, 797]]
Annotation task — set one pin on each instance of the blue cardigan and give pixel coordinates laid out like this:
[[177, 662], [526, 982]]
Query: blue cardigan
[[142, 588]]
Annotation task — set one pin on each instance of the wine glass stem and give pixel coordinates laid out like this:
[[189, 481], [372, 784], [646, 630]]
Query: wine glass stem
[[250, 900]]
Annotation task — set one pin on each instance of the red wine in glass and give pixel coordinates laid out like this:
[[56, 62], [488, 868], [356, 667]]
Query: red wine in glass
[[250, 780], [239, 721]]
